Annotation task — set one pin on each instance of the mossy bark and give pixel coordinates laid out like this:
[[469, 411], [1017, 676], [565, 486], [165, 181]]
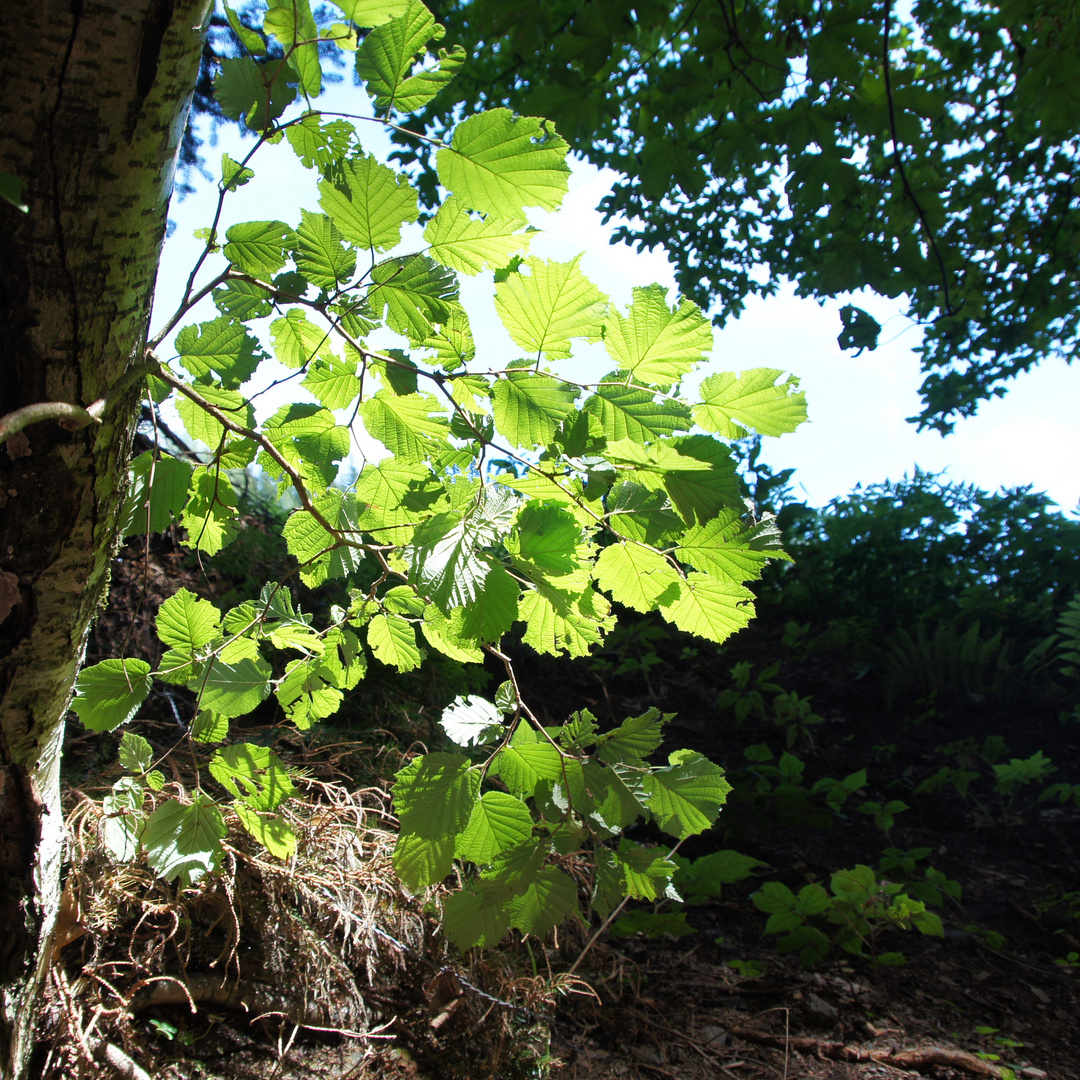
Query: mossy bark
[[93, 100]]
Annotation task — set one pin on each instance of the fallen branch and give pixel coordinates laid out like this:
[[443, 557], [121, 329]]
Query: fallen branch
[[917, 1060]]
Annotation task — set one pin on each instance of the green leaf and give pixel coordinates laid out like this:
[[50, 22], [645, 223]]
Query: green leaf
[[370, 204], [645, 873], [546, 537], [498, 822], [320, 144], [271, 830], [13, 191], [444, 559], [472, 721], [367, 13], [309, 692], [320, 554], [233, 174], [251, 41], [393, 641], [709, 608], [420, 861], [252, 773], [722, 547], [558, 622], [448, 634], [210, 513], [184, 841], [637, 576], [500, 163], [234, 689], [634, 739], [110, 693], [628, 412], [222, 347], [385, 59], [454, 346], [259, 248], [297, 340], [259, 93], [470, 919], [206, 428], [243, 300], [496, 608], [157, 491], [123, 818], [655, 343], [320, 252], [754, 400], [551, 304], [135, 753], [333, 381], [310, 438], [434, 795], [524, 765], [290, 21], [410, 426], [186, 622], [550, 900], [417, 294], [469, 243], [687, 795], [209, 727], [529, 407]]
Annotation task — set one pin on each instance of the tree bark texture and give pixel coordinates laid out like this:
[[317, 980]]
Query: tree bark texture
[[93, 100]]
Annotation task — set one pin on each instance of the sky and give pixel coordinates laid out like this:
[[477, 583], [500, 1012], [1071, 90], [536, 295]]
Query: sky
[[857, 431]]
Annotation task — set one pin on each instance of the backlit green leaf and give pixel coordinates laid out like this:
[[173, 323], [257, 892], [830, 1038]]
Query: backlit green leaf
[[722, 547], [500, 163], [655, 343], [253, 773], [297, 339], [550, 900], [222, 347], [385, 59], [407, 425], [135, 752], [320, 252], [417, 294], [333, 381], [271, 830], [157, 491], [259, 93], [754, 400], [393, 641], [259, 248], [710, 608], [687, 795], [367, 13], [545, 308], [529, 407], [469, 243], [370, 205], [637, 576], [234, 689], [291, 23], [421, 862], [628, 412]]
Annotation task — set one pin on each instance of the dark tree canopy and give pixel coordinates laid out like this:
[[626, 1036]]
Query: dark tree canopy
[[769, 139]]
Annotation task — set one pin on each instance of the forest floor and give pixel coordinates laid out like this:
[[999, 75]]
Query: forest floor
[[999, 991]]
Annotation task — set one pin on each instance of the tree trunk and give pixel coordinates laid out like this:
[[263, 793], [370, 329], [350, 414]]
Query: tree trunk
[[93, 100]]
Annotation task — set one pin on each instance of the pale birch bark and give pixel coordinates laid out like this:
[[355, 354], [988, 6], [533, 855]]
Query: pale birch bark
[[93, 99]]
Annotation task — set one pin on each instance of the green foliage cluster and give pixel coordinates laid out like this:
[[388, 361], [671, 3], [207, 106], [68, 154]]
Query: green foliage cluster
[[923, 550], [922, 150], [509, 495]]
